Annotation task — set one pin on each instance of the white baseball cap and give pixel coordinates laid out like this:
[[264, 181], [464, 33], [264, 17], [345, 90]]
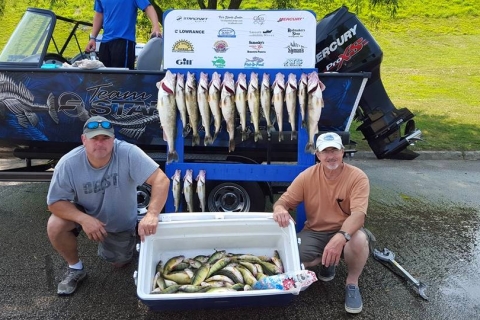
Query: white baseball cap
[[329, 139]]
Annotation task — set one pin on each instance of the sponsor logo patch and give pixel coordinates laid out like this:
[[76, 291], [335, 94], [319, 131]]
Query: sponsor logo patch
[[218, 62], [184, 62], [226, 33], [293, 63], [183, 46], [220, 46]]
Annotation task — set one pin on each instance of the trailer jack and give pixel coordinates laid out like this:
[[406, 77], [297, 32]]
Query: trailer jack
[[388, 257]]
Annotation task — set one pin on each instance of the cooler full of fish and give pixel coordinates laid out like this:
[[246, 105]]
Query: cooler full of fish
[[238, 239]]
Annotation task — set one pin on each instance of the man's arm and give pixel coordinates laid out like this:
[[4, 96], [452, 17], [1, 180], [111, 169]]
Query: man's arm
[[160, 186], [97, 26], [93, 228], [152, 15]]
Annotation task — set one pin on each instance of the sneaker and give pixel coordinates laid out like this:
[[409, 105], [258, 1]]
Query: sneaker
[[72, 278], [326, 273], [353, 299]]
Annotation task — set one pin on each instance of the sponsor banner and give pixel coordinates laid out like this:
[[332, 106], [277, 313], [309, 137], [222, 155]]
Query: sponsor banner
[[239, 39]]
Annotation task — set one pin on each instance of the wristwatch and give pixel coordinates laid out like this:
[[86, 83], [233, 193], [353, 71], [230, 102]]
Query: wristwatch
[[92, 38], [345, 234]]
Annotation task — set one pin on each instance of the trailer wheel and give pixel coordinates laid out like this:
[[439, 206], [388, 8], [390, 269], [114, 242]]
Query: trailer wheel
[[143, 199], [235, 197]]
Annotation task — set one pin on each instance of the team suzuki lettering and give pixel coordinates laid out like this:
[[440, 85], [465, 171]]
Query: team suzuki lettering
[[349, 34], [191, 31]]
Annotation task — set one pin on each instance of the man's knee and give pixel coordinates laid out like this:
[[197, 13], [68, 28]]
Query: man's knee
[[56, 226], [358, 242]]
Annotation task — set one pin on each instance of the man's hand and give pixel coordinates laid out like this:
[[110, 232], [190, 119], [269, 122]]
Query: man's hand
[[92, 44], [148, 225], [282, 216], [333, 250], [93, 228]]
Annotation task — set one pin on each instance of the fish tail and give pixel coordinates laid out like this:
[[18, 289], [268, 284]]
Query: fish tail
[[258, 136], [214, 137], [309, 148], [304, 124], [172, 156], [244, 135], [280, 136], [195, 140], [231, 145], [294, 135], [208, 140]]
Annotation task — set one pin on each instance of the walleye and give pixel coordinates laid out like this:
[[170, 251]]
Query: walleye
[[192, 106], [277, 99], [176, 189], [202, 99], [180, 100], [302, 97], [188, 189], [241, 102], [227, 106], [291, 101], [214, 102], [315, 105], [266, 100], [253, 95], [167, 112], [201, 188]]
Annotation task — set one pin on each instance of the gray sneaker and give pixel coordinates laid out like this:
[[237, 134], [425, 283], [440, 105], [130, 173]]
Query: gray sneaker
[[72, 278], [326, 273], [353, 299]]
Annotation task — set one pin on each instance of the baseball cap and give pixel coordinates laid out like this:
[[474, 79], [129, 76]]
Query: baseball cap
[[103, 127], [329, 139]]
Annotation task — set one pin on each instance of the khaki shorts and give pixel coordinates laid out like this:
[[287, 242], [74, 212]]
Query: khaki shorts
[[313, 243], [117, 247]]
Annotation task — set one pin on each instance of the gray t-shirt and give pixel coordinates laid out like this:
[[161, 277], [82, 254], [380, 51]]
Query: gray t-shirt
[[108, 193]]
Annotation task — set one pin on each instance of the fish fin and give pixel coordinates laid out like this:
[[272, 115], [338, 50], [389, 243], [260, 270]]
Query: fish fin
[[32, 118], [208, 140], [309, 148], [280, 136], [134, 133], [51, 108], [214, 137], [22, 120], [304, 124], [186, 130], [231, 145], [294, 135]]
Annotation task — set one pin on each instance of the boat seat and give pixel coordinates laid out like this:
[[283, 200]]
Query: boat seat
[[151, 56]]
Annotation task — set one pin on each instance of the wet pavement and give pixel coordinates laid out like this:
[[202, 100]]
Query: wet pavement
[[426, 212]]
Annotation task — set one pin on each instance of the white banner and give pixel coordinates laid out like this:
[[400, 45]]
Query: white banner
[[239, 39]]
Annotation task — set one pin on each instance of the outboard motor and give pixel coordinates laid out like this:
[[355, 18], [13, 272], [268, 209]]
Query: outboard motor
[[345, 45]]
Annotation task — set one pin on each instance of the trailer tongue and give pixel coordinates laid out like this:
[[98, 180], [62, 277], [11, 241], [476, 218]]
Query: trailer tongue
[[345, 45]]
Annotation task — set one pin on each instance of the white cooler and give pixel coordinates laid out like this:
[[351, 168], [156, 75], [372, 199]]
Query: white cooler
[[192, 234]]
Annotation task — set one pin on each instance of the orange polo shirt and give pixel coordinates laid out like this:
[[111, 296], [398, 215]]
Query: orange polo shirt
[[320, 196]]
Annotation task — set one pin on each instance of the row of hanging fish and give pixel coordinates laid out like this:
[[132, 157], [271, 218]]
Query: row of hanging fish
[[224, 99], [187, 189], [218, 272]]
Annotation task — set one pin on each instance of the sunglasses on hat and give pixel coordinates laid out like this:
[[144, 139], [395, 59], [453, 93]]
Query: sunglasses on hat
[[96, 124]]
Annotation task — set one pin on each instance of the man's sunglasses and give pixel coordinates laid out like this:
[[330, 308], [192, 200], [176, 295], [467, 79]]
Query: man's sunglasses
[[96, 124]]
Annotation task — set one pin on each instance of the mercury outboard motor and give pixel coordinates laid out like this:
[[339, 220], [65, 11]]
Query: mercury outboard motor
[[345, 45]]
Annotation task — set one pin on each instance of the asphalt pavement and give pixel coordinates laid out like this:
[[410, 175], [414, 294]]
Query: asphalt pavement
[[425, 211]]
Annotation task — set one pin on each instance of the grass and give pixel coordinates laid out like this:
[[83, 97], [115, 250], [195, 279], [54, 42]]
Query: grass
[[431, 63]]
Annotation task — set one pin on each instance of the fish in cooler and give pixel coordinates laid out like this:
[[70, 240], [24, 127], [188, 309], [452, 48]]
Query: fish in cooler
[[253, 96], [278, 98], [220, 270], [214, 102], [167, 112], [241, 102], [192, 106], [315, 105], [203, 106], [291, 102], [227, 100]]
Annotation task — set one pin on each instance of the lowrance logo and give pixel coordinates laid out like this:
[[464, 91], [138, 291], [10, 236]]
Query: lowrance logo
[[333, 46], [290, 19]]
